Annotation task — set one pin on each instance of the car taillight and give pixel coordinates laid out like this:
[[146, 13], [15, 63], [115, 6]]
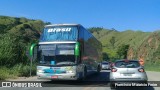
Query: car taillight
[[113, 70], [112, 64], [141, 70]]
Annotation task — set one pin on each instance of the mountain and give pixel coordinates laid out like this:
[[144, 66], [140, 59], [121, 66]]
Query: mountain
[[141, 44], [17, 34]]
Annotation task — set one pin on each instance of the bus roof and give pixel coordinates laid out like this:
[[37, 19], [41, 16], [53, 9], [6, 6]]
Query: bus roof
[[61, 25]]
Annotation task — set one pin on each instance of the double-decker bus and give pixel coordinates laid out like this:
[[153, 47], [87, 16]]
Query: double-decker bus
[[67, 52]]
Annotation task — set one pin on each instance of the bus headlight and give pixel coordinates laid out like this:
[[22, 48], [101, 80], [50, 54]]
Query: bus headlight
[[69, 71], [40, 71]]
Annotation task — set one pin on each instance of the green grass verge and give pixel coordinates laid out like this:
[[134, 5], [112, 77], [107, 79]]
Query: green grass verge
[[18, 70], [152, 67]]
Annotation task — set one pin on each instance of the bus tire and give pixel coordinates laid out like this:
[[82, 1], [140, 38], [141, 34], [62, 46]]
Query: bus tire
[[112, 86], [85, 73], [98, 69]]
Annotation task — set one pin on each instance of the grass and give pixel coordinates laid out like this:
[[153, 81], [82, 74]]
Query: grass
[[152, 67], [18, 70], [7, 73]]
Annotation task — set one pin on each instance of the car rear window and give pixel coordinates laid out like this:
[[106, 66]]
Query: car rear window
[[129, 64], [105, 63]]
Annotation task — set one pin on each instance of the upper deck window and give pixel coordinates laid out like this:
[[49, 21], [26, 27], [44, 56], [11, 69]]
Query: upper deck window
[[59, 33]]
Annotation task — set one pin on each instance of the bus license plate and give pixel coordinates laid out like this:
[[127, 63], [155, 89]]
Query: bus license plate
[[54, 76], [127, 74]]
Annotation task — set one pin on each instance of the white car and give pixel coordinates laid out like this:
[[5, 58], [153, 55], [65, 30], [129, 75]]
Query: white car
[[105, 65], [127, 71]]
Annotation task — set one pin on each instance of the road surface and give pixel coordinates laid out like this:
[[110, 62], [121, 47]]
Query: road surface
[[93, 82]]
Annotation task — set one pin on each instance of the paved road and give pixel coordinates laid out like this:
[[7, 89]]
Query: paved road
[[153, 76], [94, 82]]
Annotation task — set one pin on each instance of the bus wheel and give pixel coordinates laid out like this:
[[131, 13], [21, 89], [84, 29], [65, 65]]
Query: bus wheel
[[112, 87], [84, 73], [98, 69]]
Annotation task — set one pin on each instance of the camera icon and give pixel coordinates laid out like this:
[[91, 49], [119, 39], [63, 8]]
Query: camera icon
[[6, 84]]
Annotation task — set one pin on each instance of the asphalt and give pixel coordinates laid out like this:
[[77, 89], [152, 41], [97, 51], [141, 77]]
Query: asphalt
[[93, 82]]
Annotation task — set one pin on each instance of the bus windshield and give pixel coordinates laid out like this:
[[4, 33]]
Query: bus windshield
[[56, 54], [59, 33], [58, 60]]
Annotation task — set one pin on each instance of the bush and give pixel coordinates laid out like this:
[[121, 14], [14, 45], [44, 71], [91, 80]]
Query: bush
[[4, 73], [16, 71], [24, 70]]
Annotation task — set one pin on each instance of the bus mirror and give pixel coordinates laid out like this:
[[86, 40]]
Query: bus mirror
[[35, 52], [31, 50], [77, 51]]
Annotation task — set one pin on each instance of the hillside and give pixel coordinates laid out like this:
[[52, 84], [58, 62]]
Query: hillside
[[141, 44], [17, 35], [23, 32]]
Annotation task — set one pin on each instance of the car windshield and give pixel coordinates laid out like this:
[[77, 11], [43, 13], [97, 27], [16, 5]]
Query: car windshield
[[128, 64]]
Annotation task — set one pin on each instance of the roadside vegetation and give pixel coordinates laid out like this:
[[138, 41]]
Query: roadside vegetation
[[130, 44], [19, 70], [17, 35], [152, 67]]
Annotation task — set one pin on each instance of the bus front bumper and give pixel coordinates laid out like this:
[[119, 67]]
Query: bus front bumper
[[67, 76]]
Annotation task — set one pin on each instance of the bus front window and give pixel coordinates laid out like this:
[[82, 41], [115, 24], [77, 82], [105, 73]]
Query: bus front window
[[59, 33], [57, 54], [65, 59], [46, 57]]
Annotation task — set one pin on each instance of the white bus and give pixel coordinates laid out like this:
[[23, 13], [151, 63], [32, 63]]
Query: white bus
[[67, 52]]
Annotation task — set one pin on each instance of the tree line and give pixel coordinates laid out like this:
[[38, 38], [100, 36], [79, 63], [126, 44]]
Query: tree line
[[16, 35]]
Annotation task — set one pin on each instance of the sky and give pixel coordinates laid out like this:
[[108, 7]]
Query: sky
[[121, 15]]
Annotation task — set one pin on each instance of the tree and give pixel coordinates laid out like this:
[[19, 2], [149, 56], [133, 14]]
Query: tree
[[122, 51], [105, 56], [47, 23], [112, 41], [16, 34], [95, 29], [11, 51], [2, 28]]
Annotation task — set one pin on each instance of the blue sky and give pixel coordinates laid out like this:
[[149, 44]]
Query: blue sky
[[118, 14]]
